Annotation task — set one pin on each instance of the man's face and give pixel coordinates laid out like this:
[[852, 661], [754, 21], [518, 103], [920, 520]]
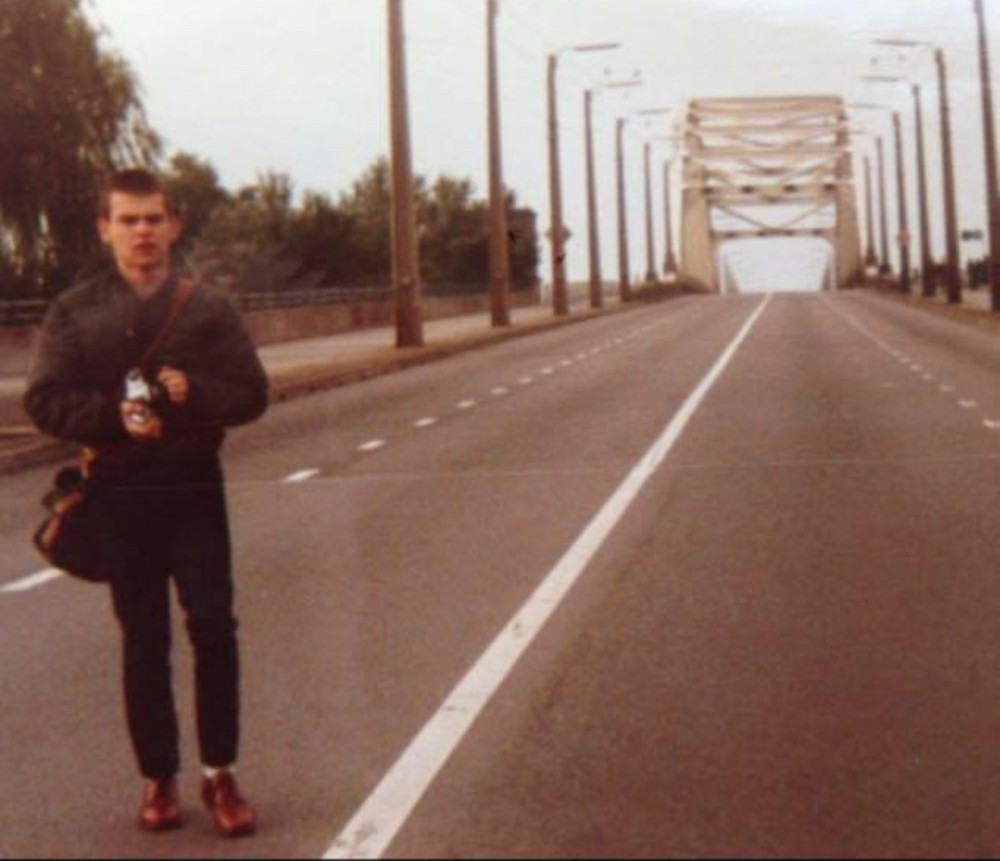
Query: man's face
[[139, 231]]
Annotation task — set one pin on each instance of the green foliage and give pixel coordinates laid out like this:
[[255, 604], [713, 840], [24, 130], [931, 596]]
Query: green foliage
[[69, 111], [257, 240], [194, 190]]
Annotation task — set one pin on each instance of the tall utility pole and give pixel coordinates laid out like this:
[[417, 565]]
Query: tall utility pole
[[669, 260], [593, 222], [405, 261], [624, 285], [499, 261], [989, 147], [904, 232], [650, 249], [871, 259], [560, 300], [952, 272], [593, 242], [557, 232], [885, 267], [952, 266], [926, 264]]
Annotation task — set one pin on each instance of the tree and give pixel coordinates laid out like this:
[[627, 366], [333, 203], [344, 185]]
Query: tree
[[193, 186], [70, 112]]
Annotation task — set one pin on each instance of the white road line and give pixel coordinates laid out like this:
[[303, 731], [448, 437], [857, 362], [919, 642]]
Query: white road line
[[966, 405], [371, 445], [929, 378], [465, 405], [526, 381], [547, 371], [992, 424], [581, 356], [947, 388], [32, 580], [300, 475], [375, 824], [425, 422], [566, 363], [499, 391]]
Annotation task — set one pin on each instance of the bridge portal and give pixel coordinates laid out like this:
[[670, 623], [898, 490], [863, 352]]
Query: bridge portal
[[767, 167]]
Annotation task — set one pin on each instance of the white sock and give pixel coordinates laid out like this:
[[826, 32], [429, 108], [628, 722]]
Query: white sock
[[211, 772]]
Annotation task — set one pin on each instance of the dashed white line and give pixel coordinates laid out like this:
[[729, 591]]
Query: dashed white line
[[300, 475], [992, 424], [499, 391], [32, 580], [374, 825], [425, 422], [465, 405], [547, 371], [371, 445], [966, 405], [946, 388], [526, 381]]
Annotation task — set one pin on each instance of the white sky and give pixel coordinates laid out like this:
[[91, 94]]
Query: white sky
[[300, 86]]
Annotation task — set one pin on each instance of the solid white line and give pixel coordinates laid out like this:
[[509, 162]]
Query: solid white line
[[371, 445], [32, 580], [384, 812], [300, 475]]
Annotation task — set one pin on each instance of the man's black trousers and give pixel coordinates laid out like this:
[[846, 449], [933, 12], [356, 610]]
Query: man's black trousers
[[152, 534]]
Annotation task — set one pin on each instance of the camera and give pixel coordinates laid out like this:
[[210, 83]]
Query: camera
[[140, 394]]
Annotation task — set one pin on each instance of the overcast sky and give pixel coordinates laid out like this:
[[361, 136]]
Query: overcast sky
[[300, 87]]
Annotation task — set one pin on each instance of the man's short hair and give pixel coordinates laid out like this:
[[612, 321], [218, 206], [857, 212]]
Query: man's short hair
[[132, 180]]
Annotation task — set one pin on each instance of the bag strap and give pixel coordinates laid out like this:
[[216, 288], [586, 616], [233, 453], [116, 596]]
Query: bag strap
[[181, 296]]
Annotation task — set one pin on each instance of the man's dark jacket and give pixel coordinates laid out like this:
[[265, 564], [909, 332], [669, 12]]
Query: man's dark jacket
[[95, 332]]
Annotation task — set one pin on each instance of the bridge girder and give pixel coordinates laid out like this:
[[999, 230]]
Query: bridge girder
[[765, 167]]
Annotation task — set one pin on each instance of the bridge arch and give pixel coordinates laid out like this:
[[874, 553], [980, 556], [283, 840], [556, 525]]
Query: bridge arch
[[767, 168]]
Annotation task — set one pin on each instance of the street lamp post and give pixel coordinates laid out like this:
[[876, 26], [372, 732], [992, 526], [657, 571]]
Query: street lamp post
[[926, 264], [903, 236], [499, 264], [650, 250], [560, 299], [871, 260], [952, 266], [885, 267], [405, 260], [669, 260], [593, 239], [989, 146], [624, 285]]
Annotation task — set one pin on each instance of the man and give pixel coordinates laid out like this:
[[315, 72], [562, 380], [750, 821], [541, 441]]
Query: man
[[156, 480]]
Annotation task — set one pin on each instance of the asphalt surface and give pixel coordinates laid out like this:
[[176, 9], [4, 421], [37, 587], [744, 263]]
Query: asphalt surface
[[784, 646]]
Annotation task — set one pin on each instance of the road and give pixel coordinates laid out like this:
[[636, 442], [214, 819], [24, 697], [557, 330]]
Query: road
[[765, 624]]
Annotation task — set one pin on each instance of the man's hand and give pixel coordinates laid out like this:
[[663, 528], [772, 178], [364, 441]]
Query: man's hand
[[174, 383], [139, 421]]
